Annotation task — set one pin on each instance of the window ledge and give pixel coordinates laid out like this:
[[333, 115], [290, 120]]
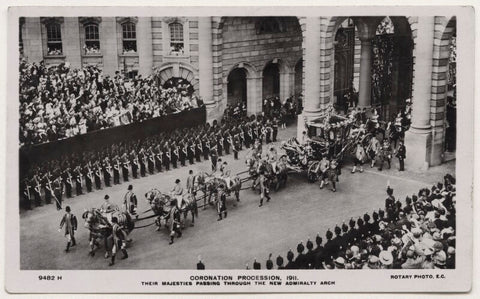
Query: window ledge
[[53, 56], [177, 56], [129, 55], [93, 55]]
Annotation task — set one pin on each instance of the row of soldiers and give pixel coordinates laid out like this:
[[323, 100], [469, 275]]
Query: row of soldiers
[[142, 157]]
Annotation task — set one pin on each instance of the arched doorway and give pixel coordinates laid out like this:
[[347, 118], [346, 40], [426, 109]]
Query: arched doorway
[[271, 80], [237, 87]]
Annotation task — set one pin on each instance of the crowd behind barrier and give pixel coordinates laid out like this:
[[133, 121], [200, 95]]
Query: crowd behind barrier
[[418, 233], [58, 102]]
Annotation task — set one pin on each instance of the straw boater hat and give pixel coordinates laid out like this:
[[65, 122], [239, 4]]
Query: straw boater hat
[[386, 258]]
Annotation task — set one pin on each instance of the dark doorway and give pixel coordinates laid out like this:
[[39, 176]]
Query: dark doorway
[[271, 81], [237, 87]]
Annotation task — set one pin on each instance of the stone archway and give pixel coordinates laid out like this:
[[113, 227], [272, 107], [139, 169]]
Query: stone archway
[[178, 71], [247, 84], [237, 87], [271, 80]]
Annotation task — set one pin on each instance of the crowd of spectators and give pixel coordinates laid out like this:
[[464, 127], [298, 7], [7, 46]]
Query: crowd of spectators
[[416, 234], [58, 102]]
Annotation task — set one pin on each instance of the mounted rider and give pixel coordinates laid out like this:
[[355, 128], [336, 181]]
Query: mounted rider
[[225, 174], [107, 208]]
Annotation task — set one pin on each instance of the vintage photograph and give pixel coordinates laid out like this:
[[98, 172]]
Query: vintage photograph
[[237, 142]]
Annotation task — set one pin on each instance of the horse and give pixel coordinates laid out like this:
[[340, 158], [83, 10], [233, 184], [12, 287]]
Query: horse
[[162, 204], [201, 182], [252, 165], [100, 226], [234, 187]]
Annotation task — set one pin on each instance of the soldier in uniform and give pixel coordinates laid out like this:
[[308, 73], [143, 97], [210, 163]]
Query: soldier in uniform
[[158, 159], [58, 191], [174, 155], [182, 152], [125, 167], [385, 155], [198, 150], [119, 241], [274, 129], [151, 161], [390, 203], [88, 178], [236, 147], [107, 174], [26, 194], [134, 162], [191, 151], [166, 157], [130, 202], [37, 191], [226, 142], [116, 170], [68, 182], [143, 163], [70, 222], [175, 224], [264, 190], [213, 159], [78, 181], [221, 202], [401, 154], [47, 185], [98, 177], [219, 139]]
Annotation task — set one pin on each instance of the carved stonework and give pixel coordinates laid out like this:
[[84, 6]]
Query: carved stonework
[[87, 20], [122, 20], [170, 20], [48, 20]]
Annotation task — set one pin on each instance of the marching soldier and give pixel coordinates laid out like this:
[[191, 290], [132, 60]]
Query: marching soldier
[[48, 189], [107, 172], [236, 147], [221, 205], [70, 222], [182, 152], [67, 180], [98, 181], [198, 150], [158, 159], [219, 140], [143, 163], [26, 194], [78, 181], [37, 191], [191, 152], [130, 202], [125, 167], [89, 178], [226, 142], [206, 148], [214, 159], [166, 157], [134, 162], [174, 155], [151, 162], [116, 170], [58, 191]]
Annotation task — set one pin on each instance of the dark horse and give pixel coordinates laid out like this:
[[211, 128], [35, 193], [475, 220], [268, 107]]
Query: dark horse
[[100, 227], [162, 204]]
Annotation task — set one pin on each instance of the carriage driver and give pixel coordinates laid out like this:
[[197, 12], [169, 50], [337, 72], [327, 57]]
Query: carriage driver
[[107, 208]]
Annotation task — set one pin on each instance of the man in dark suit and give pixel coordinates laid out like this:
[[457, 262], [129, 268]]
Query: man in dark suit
[[401, 155]]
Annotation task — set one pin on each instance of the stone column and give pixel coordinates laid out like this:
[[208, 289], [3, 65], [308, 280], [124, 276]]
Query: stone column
[[287, 81], [71, 42], [312, 67], [32, 39], [108, 45], [367, 27], [144, 46], [418, 139], [254, 95], [206, 64]]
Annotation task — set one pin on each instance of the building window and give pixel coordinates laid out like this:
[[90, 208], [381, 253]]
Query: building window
[[92, 39], [54, 39], [131, 74], [176, 38], [270, 25], [129, 38]]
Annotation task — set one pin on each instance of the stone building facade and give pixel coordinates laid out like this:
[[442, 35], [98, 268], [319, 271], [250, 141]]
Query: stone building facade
[[227, 59]]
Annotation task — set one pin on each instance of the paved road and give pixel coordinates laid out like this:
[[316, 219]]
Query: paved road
[[295, 213]]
